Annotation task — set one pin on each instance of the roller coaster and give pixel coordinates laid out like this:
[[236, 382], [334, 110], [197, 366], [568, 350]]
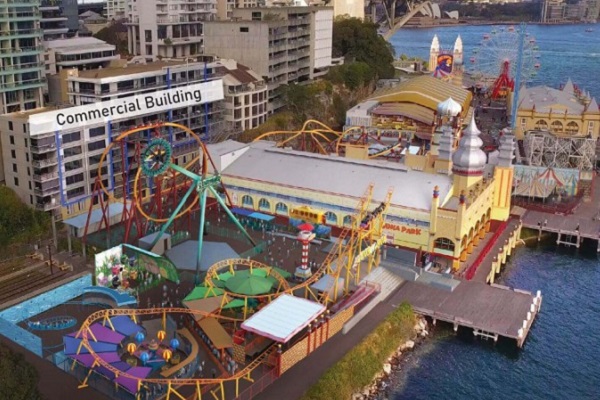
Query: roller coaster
[[357, 245]]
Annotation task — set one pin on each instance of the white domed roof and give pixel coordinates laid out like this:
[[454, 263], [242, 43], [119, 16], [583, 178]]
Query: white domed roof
[[449, 108], [468, 155]]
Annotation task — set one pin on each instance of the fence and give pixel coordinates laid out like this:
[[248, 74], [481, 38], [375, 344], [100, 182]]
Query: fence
[[470, 272]]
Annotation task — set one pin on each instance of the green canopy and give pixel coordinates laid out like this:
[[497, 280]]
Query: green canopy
[[249, 285], [203, 292], [224, 276], [259, 272], [284, 274], [235, 303]]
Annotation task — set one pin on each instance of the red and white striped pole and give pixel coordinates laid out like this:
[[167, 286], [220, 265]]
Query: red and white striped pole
[[304, 259], [303, 271]]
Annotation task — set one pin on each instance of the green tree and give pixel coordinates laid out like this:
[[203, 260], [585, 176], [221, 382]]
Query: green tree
[[115, 34], [301, 101], [18, 378], [357, 40], [18, 222]]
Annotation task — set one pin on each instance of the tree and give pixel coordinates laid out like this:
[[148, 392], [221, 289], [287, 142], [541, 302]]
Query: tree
[[115, 34], [19, 378], [18, 222], [301, 100], [356, 40]]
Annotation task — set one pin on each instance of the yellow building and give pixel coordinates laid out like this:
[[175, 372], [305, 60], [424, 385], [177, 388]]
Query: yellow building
[[409, 107], [565, 113], [444, 213]]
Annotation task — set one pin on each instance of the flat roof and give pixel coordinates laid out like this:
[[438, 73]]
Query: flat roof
[[130, 69], [78, 44], [283, 318], [216, 333], [340, 176]]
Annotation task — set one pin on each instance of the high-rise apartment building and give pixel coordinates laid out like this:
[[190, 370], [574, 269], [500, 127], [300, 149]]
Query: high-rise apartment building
[[57, 171], [225, 7], [58, 18], [22, 77], [167, 28], [284, 44], [83, 53]]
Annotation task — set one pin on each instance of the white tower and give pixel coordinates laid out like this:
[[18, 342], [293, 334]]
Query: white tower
[[458, 51], [434, 52]]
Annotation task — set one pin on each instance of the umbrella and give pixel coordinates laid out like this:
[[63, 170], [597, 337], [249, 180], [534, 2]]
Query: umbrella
[[249, 285], [284, 274], [235, 303], [306, 227], [203, 292]]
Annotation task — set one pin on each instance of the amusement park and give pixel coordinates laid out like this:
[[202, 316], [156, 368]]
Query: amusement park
[[198, 269]]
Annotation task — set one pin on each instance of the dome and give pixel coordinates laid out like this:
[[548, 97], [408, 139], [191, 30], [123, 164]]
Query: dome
[[449, 108], [469, 157]]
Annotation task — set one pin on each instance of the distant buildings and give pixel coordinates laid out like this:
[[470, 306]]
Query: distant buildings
[[58, 18], [116, 9], [285, 44], [558, 11], [83, 53]]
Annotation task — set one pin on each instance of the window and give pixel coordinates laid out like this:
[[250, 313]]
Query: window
[[244, 29], [557, 126], [96, 145], [28, 171], [281, 208], [26, 143], [247, 201], [74, 179], [443, 244], [148, 35], [15, 168], [99, 131], [13, 154], [10, 125], [331, 218], [572, 128], [348, 220], [16, 181], [263, 204], [12, 139], [27, 157], [71, 137], [590, 129]]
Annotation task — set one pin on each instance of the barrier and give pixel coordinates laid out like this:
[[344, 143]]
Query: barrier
[[470, 272]]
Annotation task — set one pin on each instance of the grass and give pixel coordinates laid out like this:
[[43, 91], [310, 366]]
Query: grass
[[359, 366]]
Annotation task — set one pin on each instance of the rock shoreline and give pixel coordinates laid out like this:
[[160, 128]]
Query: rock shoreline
[[378, 389]]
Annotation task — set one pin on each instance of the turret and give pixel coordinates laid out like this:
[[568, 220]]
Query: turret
[[458, 51], [468, 160], [434, 52], [443, 163], [435, 204], [506, 150]]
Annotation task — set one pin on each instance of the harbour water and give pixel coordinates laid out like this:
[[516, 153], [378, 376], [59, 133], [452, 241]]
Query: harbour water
[[560, 358]]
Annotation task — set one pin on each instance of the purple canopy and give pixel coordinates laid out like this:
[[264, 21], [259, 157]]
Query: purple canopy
[[104, 334], [132, 384]]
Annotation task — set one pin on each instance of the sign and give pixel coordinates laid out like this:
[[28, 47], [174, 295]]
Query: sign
[[402, 229], [307, 214], [128, 107], [155, 264], [445, 62]]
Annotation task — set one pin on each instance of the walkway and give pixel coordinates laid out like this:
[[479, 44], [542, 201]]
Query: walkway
[[485, 263]]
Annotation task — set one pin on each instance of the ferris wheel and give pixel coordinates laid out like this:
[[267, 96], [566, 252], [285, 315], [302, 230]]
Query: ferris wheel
[[493, 64]]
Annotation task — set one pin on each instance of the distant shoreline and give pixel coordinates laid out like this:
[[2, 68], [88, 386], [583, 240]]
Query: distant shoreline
[[486, 23]]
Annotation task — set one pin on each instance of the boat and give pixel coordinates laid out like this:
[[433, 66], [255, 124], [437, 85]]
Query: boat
[[589, 30]]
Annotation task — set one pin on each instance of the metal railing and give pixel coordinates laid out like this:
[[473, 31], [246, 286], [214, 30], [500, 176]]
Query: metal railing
[[470, 272]]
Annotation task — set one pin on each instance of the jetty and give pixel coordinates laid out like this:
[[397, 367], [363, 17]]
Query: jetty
[[490, 311]]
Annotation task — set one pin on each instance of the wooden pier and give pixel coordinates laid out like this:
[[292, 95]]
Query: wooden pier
[[491, 311], [571, 229]]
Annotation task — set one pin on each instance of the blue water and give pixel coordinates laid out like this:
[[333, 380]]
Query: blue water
[[561, 358]]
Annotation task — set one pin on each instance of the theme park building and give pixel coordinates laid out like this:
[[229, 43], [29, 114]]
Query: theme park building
[[443, 202]]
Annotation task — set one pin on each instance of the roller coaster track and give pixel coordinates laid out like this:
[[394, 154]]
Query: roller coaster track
[[405, 18]]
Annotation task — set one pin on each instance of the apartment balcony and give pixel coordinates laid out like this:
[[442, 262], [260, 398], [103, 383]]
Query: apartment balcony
[[45, 177], [21, 68], [47, 188], [69, 63], [49, 5], [17, 16], [20, 33], [47, 162], [48, 206], [55, 31], [44, 148], [23, 51]]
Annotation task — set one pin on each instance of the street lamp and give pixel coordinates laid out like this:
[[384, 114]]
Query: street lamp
[[49, 247]]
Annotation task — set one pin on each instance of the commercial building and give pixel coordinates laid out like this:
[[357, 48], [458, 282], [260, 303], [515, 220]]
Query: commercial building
[[444, 210], [246, 97], [57, 170], [568, 112], [285, 44], [81, 52], [167, 28]]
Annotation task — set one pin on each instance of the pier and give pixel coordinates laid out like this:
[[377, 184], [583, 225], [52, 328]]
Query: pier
[[491, 311]]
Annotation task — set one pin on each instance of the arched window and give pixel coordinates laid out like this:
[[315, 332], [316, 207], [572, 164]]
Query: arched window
[[247, 201], [572, 128], [281, 208], [331, 218], [557, 126], [348, 220], [444, 244], [541, 125], [264, 205]]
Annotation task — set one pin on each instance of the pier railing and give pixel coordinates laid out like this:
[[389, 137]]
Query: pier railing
[[470, 272]]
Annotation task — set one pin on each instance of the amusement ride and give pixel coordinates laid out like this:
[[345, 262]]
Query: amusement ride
[[505, 56], [163, 192]]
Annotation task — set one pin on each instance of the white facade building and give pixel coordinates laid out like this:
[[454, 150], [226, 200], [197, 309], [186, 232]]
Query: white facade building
[[167, 28], [81, 53], [116, 9]]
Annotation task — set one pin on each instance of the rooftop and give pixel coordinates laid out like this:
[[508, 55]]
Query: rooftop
[[78, 44], [237, 74], [545, 99], [131, 69], [336, 175], [426, 91]]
